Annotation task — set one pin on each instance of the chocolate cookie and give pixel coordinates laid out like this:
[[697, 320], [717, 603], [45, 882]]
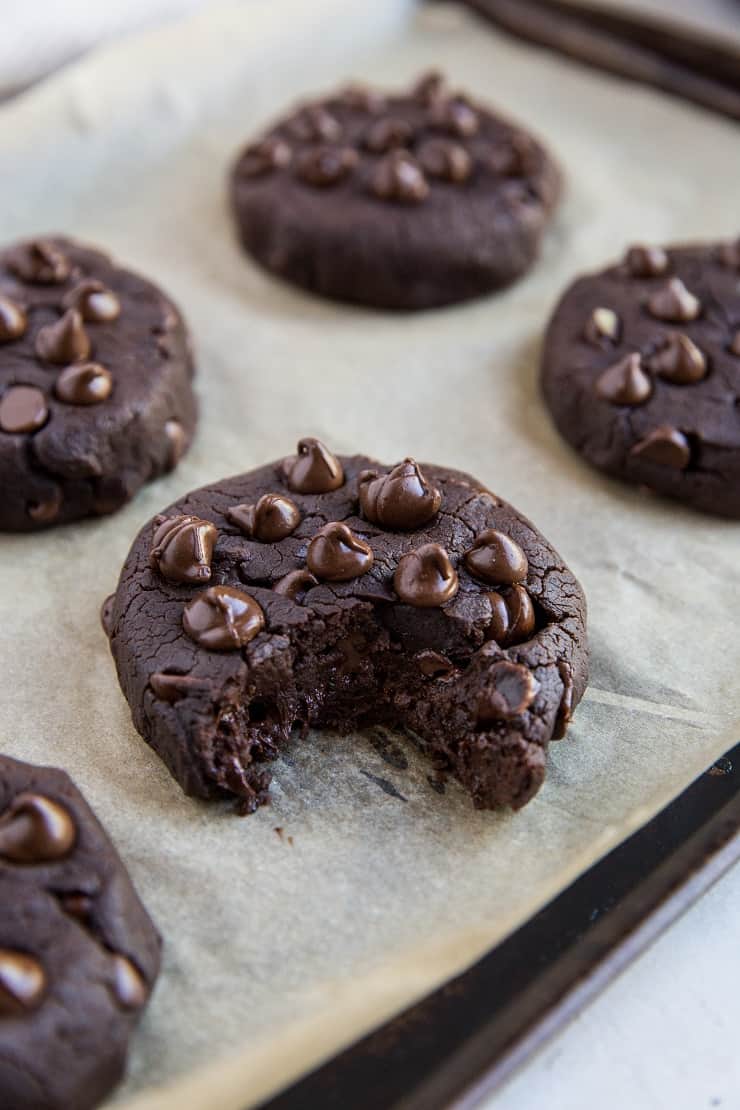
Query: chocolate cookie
[[78, 952], [641, 370], [335, 592], [95, 384], [406, 202]]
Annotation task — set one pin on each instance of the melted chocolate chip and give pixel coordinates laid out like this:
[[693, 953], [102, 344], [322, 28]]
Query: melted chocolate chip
[[264, 157], [314, 124], [625, 383], [434, 665], [512, 616], [22, 983], [387, 134], [363, 99], [665, 446], [23, 408], [94, 301], [679, 361], [400, 177], [128, 983], [176, 438], [47, 510], [446, 160], [222, 618], [646, 262], [86, 383], [65, 340], [36, 829], [273, 518], [336, 554], [602, 327], [77, 905], [173, 687], [425, 577], [314, 469], [326, 165], [496, 558], [13, 320], [735, 344], [455, 115], [510, 691], [182, 548], [40, 263], [401, 500], [516, 157], [430, 87], [296, 584], [674, 303]]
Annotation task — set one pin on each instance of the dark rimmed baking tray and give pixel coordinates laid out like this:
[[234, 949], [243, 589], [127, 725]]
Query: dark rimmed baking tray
[[462, 1041]]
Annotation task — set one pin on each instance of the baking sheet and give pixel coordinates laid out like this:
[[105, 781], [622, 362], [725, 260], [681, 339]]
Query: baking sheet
[[280, 948]]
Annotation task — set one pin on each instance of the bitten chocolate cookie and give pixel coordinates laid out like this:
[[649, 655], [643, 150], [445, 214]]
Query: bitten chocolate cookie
[[95, 384], [78, 952], [407, 201], [336, 592], [641, 370]]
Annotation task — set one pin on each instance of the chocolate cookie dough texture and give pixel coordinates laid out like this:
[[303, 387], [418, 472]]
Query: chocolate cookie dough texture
[[78, 954], [406, 201], [641, 370], [95, 384], [335, 592]]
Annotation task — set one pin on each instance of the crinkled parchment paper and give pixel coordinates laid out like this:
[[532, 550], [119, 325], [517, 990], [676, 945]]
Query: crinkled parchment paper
[[282, 948]]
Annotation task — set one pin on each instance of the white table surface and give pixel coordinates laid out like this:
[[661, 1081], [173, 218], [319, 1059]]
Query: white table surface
[[662, 1036]]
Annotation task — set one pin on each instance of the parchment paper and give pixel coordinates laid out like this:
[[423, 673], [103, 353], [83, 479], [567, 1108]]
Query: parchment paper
[[282, 948]]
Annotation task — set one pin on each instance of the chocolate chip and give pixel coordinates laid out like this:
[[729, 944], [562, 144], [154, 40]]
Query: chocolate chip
[[565, 709], [336, 554], [129, 985], [47, 510], [40, 263], [496, 558], [273, 518], [515, 157], [430, 87], [22, 983], [665, 446], [177, 441], [295, 584], [314, 124], [625, 383], [455, 115], [363, 99], [679, 361], [401, 500], [729, 254], [646, 262], [387, 134], [173, 687], [13, 320], [36, 829], [182, 548], [23, 408], [512, 616], [434, 665], [326, 165], [313, 469], [674, 303], [65, 340], [446, 160], [264, 157], [602, 327], [222, 618], [77, 905], [86, 383], [735, 344], [510, 690], [425, 577], [94, 301], [400, 177]]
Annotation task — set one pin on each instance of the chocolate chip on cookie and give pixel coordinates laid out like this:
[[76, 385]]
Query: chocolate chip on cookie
[[346, 593], [641, 370], [79, 955], [95, 384], [402, 201]]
